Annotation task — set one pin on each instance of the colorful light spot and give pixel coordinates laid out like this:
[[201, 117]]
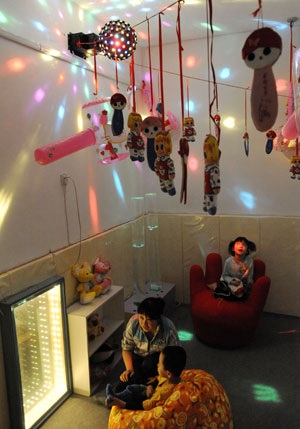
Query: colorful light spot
[[39, 95], [61, 78], [57, 32], [16, 65], [145, 9], [79, 122], [39, 26], [225, 73], [3, 18], [61, 112], [74, 69], [69, 7], [143, 35], [74, 89], [215, 28], [281, 85], [265, 393], [96, 11], [118, 185], [147, 76], [60, 14], [190, 106], [190, 61], [86, 91], [166, 24], [113, 88], [5, 201], [247, 199], [43, 3], [185, 336], [128, 15], [80, 14], [229, 122], [93, 209], [193, 163], [278, 25]]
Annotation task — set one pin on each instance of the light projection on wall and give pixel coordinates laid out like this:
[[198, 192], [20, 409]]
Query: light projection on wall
[[225, 73], [39, 95], [215, 28], [16, 65], [3, 18], [118, 185], [281, 85], [93, 209], [190, 106], [269, 23], [265, 393], [229, 122], [5, 201], [193, 163], [190, 62], [185, 335], [247, 199], [39, 26]]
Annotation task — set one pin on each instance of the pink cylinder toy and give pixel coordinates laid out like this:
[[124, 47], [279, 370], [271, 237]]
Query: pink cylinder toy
[[54, 151], [290, 131]]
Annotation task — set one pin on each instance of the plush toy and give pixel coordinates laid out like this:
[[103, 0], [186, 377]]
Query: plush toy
[[88, 291], [94, 326], [135, 142], [100, 269], [246, 143], [150, 127], [189, 130], [295, 167], [212, 174], [270, 137], [261, 50], [164, 165], [118, 103]]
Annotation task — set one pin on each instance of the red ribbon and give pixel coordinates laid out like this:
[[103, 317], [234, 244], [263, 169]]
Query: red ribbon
[[95, 69], [258, 9], [150, 67], [180, 48], [116, 64], [161, 73], [132, 76]]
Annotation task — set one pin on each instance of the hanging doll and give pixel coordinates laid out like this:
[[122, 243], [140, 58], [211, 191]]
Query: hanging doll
[[118, 103], [261, 50], [150, 127], [164, 165], [270, 137], [189, 130], [135, 142], [212, 174], [295, 167]]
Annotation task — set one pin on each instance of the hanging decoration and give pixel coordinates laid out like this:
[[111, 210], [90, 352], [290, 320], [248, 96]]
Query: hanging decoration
[[295, 164], [211, 150], [115, 40], [164, 165], [260, 51], [118, 103], [270, 137], [150, 127], [246, 135], [189, 129], [151, 102], [135, 142]]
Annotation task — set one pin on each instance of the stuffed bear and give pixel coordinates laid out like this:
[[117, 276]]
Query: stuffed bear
[[100, 269], [94, 326], [88, 291]]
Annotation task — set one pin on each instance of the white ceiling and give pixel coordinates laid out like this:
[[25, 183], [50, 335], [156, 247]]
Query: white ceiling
[[230, 16]]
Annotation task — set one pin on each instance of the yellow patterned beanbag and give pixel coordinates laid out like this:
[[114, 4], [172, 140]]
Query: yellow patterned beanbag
[[199, 401]]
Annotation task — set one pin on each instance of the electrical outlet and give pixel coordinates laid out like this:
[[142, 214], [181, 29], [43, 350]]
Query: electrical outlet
[[64, 179]]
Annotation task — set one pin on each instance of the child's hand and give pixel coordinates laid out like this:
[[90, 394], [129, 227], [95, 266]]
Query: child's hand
[[149, 391], [235, 282], [126, 375]]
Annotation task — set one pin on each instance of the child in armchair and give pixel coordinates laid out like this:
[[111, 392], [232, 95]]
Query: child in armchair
[[171, 362]]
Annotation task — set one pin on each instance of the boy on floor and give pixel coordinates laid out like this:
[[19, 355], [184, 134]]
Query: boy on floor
[[171, 362]]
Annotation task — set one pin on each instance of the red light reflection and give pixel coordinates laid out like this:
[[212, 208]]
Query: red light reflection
[[193, 163], [94, 209], [16, 65]]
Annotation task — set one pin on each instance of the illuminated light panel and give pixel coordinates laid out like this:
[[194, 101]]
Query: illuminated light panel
[[190, 106], [185, 335], [193, 163], [281, 85], [225, 73], [118, 185], [265, 393], [190, 61], [5, 201], [39, 95], [166, 24], [215, 28], [61, 112], [3, 18], [60, 14], [93, 209], [39, 26], [229, 122], [16, 65], [143, 35], [79, 122], [247, 199]]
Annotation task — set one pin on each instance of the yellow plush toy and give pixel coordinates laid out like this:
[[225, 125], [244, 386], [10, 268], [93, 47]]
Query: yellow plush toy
[[94, 326], [83, 273]]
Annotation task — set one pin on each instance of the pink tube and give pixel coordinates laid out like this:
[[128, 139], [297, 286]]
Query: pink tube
[[54, 151], [290, 131]]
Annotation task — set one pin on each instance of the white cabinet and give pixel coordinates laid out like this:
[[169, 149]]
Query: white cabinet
[[110, 308]]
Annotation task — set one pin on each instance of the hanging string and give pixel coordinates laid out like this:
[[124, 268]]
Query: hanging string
[[208, 62], [291, 50], [116, 64], [150, 67], [161, 73], [132, 75], [259, 12], [245, 110], [180, 49], [188, 97], [95, 70], [297, 147]]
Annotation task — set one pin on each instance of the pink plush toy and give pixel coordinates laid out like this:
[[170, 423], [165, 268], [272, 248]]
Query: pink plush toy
[[261, 50], [100, 269]]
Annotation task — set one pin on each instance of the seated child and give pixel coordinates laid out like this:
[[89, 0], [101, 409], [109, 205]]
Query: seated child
[[237, 277], [171, 362]]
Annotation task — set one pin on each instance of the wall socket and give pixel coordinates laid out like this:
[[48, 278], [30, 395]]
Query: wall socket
[[64, 179]]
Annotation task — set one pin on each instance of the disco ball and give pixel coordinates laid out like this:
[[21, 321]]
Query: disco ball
[[117, 40]]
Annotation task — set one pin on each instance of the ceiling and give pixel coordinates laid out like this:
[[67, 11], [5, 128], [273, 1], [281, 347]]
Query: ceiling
[[229, 16]]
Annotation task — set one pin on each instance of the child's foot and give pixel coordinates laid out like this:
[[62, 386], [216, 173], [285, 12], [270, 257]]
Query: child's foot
[[111, 400], [109, 391]]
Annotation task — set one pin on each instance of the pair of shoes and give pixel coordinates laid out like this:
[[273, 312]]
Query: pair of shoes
[[99, 400]]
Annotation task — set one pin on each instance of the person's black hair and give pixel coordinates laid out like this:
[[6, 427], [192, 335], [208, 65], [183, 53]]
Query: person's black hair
[[251, 247], [151, 307], [174, 359]]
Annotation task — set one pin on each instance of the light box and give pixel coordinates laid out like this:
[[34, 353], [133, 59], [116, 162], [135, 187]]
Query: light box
[[36, 352]]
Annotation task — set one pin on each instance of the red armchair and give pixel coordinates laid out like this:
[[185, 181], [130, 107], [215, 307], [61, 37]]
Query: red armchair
[[224, 323]]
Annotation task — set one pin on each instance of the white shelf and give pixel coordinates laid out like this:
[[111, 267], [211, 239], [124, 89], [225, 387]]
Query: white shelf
[[110, 307]]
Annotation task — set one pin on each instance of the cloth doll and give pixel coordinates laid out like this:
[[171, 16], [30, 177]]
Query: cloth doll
[[295, 167], [189, 130], [150, 127], [118, 103], [246, 143], [164, 165], [269, 145], [261, 50], [135, 142], [211, 174]]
